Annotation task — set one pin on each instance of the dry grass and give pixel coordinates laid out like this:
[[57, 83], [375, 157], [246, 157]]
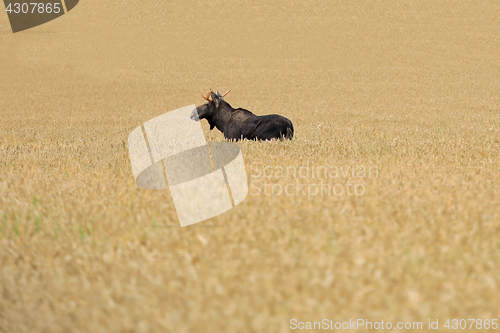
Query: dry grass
[[411, 88]]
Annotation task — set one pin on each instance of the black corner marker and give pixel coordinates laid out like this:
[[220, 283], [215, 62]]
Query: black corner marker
[[70, 4], [31, 13]]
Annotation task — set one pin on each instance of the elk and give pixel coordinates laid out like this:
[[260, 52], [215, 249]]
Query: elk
[[238, 124]]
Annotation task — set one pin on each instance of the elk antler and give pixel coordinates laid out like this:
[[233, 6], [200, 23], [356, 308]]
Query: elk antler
[[207, 98], [227, 92]]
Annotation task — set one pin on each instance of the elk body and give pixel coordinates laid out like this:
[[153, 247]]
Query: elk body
[[237, 124]]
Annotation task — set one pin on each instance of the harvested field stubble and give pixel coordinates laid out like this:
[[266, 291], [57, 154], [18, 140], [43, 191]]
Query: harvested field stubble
[[410, 89]]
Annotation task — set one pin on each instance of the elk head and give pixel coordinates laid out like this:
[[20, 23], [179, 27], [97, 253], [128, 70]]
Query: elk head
[[209, 109]]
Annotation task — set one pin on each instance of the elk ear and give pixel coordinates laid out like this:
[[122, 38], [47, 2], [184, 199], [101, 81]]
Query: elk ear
[[219, 94], [215, 99]]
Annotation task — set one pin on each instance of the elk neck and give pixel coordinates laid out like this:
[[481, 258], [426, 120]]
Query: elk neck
[[222, 116]]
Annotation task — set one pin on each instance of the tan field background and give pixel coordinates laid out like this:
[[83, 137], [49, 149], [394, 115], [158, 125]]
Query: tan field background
[[411, 88]]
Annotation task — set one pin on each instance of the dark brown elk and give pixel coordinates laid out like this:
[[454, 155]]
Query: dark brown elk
[[237, 124]]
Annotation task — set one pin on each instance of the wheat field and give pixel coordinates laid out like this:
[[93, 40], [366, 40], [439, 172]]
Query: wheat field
[[399, 99]]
